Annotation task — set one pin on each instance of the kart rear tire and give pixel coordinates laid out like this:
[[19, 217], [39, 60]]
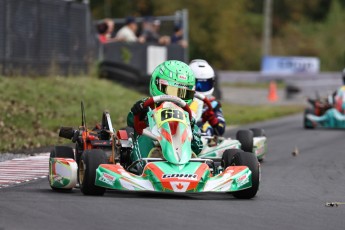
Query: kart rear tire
[[61, 152], [245, 137], [248, 159], [258, 132], [228, 157], [89, 162], [307, 124]]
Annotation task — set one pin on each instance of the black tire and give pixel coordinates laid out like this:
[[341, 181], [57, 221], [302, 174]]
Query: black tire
[[89, 162], [61, 152], [248, 159], [307, 124], [228, 156], [78, 154], [258, 132], [245, 137]]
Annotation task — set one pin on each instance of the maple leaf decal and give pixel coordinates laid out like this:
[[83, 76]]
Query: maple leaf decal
[[179, 186]]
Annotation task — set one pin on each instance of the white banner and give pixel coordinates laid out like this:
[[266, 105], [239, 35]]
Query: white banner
[[290, 65], [155, 56]]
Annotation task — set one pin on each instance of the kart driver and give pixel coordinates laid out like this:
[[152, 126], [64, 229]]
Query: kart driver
[[339, 96], [212, 122], [169, 78]]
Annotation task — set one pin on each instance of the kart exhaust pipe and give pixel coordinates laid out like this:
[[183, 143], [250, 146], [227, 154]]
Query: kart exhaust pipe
[[67, 132]]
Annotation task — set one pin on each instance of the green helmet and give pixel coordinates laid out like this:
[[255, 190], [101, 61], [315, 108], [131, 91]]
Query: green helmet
[[173, 78]]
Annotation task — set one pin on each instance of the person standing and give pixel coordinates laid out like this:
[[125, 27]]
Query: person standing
[[128, 32]]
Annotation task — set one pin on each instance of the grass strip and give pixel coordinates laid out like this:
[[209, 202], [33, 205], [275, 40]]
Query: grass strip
[[33, 109]]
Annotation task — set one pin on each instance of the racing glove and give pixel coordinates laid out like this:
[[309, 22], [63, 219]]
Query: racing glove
[[138, 107], [138, 110], [210, 116]]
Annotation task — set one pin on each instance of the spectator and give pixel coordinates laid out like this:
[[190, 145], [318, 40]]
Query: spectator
[[162, 40], [177, 37], [105, 30], [151, 34], [102, 29], [147, 34], [128, 32]]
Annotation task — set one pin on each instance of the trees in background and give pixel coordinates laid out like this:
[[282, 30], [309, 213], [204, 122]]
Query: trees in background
[[228, 33]]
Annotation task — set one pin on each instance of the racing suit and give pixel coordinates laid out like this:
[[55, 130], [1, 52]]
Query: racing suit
[[214, 123]]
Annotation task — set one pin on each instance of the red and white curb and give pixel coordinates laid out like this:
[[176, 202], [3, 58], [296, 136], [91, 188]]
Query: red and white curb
[[21, 170]]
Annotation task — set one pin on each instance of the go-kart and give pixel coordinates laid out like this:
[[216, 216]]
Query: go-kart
[[323, 113], [175, 167], [253, 140], [64, 160]]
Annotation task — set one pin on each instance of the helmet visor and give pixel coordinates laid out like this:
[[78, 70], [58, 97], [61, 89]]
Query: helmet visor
[[204, 85], [183, 93]]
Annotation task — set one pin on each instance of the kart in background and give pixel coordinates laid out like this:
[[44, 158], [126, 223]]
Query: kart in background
[[252, 140], [323, 113], [173, 169]]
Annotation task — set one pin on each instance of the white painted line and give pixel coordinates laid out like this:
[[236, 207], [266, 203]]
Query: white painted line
[[21, 170]]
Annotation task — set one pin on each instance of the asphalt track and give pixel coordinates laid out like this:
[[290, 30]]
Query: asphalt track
[[293, 194]]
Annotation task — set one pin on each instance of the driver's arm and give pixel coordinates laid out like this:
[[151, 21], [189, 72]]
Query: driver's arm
[[137, 108]]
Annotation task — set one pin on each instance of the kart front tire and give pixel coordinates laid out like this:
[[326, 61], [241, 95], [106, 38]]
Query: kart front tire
[[89, 162], [245, 137], [228, 156], [62, 152], [248, 159]]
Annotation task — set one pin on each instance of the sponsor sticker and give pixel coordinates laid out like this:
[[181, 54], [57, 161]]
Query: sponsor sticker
[[177, 84], [181, 176], [184, 86], [242, 180], [182, 77], [58, 178], [164, 82], [107, 178]]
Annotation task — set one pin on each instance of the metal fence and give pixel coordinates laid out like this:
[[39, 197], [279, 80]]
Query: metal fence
[[168, 23], [40, 37]]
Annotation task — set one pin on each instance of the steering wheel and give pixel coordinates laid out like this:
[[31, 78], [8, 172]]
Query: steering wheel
[[156, 99]]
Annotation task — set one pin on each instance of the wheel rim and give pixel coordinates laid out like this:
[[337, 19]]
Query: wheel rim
[[81, 171]]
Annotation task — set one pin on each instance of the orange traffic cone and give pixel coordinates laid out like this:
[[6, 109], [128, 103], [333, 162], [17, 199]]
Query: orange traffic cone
[[272, 92]]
